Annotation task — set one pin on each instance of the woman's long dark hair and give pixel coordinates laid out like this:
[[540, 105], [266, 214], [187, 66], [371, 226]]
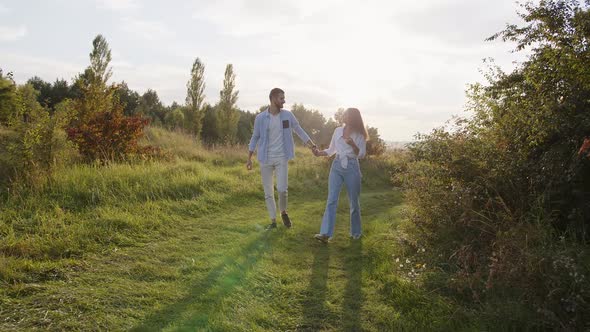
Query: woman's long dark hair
[[355, 121]]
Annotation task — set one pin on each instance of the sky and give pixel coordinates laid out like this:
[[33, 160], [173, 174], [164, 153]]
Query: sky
[[405, 64]]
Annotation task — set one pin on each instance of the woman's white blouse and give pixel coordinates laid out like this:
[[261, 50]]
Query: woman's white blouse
[[339, 146]]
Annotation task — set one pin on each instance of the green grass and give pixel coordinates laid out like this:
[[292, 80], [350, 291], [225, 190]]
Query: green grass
[[180, 245]]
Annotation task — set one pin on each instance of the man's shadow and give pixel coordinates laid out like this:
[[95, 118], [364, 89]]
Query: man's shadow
[[315, 312], [353, 294]]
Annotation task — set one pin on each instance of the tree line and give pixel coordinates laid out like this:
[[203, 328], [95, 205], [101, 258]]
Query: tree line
[[41, 123], [222, 122]]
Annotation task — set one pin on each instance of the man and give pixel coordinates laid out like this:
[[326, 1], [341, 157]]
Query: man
[[273, 134]]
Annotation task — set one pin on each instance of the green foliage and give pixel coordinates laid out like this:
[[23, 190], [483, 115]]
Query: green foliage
[[151, 107], [51, 94], [210, 132], [175, 119], [179, 245], [195, 97], [245, 127], [376, 145], [38, 142], [100, 58], [128, 98], [95, 95], [314, 123], [503, 200], [8, 99], [227, 113]]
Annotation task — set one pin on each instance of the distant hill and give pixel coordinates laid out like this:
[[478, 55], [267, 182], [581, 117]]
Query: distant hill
[[399, 145]]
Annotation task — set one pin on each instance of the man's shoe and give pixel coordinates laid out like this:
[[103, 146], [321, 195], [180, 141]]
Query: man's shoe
[[286, 220], [271, 226], [355, 237], [322, 238]]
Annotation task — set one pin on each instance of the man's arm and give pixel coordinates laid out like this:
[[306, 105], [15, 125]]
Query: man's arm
[[253, 142], [301, 133]]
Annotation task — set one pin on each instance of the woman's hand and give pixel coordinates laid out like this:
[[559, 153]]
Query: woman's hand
[[350, 141], [319, 153]]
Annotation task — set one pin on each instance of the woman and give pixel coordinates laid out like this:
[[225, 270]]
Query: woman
[[349, 143]]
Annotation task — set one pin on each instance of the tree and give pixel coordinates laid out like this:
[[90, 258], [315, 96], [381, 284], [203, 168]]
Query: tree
[[376, 145], [245, 127], [100, 58], [43, 87], [96, 95], [227, 113], [51, 94], [210, 133], [128, 98], [8, 99], [150, 106], [195, 97], [101, 130], [175, 119], [311, 120]]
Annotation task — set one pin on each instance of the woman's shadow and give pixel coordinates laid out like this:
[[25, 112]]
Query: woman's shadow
[[353, 294], [316, 315]]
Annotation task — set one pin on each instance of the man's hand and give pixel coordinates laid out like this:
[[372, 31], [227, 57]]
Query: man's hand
[[315, 151], [249, 164], [349, 141]]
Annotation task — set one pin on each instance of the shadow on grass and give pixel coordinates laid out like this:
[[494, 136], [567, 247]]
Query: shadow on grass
[[353, 295], [315, 313], [218, 283]]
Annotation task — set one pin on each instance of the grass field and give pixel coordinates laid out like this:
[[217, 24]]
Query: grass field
[[181, 246]]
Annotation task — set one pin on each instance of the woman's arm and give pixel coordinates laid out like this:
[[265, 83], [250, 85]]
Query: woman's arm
[[332, 148]]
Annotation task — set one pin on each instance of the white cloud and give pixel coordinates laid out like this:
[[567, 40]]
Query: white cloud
[[457, 22], [8, 34], [148, 30], [118, 5], [25, 67], [4, 9], [167, 80]]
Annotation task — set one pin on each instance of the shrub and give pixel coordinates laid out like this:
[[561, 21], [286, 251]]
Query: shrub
[[503, 199]]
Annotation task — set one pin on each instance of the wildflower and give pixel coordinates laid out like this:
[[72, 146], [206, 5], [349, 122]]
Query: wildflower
[[407, 261], [397, 260]]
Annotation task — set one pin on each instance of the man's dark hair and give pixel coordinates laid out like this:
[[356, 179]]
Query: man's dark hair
[[274, 92]]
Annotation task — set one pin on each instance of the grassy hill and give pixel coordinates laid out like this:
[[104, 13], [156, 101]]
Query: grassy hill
[[180, 245]]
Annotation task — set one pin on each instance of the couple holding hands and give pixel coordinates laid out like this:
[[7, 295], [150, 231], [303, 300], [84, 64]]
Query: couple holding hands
[[273, 136]]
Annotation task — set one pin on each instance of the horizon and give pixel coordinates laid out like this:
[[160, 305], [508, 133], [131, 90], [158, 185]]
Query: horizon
[[405, 66]]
